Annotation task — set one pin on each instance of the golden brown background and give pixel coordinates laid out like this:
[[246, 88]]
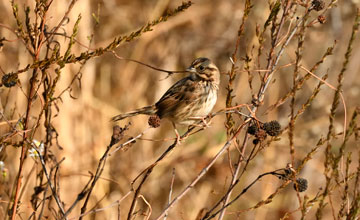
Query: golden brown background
[[110, 86]]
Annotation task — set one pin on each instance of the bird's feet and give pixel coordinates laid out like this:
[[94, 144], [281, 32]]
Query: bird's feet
[[206, 124]]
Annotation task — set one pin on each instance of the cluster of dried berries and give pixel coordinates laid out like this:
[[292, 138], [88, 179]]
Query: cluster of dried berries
[[261, 130]]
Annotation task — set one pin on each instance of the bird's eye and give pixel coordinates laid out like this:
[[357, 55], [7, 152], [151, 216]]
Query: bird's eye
[[201, 68]]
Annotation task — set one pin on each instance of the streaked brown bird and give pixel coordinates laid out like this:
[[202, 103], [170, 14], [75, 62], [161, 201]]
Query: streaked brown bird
[[189, 99]]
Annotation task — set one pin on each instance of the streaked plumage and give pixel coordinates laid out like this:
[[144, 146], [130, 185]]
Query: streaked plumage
[[191, 97]]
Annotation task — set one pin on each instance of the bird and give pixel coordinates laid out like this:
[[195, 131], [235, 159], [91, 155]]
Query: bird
[[189, 100]]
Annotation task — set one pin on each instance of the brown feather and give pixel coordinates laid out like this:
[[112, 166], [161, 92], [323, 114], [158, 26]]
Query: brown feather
[[148, 110], [192, 96]]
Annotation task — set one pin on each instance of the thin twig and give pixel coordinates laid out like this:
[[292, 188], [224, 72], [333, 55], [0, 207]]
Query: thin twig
[[244, 191], [267, 78], [117, 202], [201, 174], [169, 72], [118, 134], [148, 204], [171, 190], [333, 88], [57, 199]]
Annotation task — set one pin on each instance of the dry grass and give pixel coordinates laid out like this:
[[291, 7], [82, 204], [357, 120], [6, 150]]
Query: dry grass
[[64, 97]]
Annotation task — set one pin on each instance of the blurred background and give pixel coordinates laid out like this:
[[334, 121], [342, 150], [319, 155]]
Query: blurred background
[[110, 86]]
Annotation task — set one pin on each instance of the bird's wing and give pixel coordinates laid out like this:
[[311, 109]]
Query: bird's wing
[[182, 93]]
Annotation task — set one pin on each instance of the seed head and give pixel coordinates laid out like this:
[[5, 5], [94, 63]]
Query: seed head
[[256, 141], [9, 80], [272, 128], [301, 184], [321, 19], [154, 121], [261, 135], [318, 5], [252, 129]]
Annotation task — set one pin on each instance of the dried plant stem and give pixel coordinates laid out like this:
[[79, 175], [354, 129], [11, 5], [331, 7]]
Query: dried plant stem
[[54, 193], [267, 78], [35, 43], [65, 17], [333, 88], [234, 176], [269, 74], [117, 136], [36, 192], [329, 157], [66, 59], [117, 202], [201, 174], [99, 170], [169, 72], [146, 175], [24, 147], [301, 81], [150, 168], [232, 75], [171, 190], [206, 217], [148, 204]]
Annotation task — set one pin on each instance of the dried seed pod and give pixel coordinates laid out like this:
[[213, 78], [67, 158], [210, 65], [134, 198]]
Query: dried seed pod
[[154, 121], [321, 19], [117, 134], [252, 129], [261, 135], [301, 184], [9, 80], [272, 128], [318, 5]]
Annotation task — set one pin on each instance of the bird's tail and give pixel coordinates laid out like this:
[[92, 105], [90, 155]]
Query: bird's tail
[[148, 110]]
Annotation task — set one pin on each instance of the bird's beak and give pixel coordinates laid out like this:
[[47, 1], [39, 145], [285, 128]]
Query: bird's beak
[[191, 70]]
